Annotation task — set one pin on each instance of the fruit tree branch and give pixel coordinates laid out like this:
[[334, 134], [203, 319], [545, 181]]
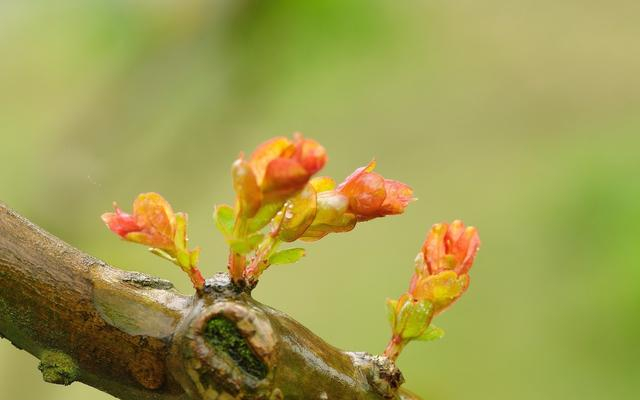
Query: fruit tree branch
[[135, 337]]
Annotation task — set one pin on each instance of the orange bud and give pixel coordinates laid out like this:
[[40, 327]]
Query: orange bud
[[152, 223], [309, 153], [371, 196], [284, 177], [399, 195], [450, 247], [282, 167], [119, 222], [267, 152]]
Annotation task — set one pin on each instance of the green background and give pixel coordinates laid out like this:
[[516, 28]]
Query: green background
[[520, 117]]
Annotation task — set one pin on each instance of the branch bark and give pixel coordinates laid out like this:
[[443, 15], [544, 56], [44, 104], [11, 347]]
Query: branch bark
[[135, 337]]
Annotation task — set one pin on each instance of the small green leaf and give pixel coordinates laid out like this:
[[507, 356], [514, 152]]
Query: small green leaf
[[254, 240], [391, 312], [162, 253], [240, 246], [180, 237], [264, 215], [224, 217], [195, 257], [414, 318], [432, 333], [183, 258], [244, 246], [287, 256]]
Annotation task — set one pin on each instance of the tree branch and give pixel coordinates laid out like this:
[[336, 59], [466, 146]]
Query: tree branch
[[135, 337]]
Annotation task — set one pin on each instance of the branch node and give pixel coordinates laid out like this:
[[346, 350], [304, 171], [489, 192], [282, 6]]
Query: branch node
[[382, 373]]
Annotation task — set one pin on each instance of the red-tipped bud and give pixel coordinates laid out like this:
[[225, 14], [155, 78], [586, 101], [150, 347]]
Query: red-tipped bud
[[371, 195], [309, 153], [120, 222], [450, 247], [152, 223], [282, 166], [439, 279]]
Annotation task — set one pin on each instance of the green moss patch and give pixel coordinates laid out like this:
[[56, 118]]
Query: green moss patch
[[57, 367], [223, 336]]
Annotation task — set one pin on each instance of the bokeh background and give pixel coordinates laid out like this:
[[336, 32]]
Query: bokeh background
[[521, 117]]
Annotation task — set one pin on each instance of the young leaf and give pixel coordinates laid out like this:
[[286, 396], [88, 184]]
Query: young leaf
[[391, 312], [432, 333], [287, 256], [162, 253], [264, 215], [414, 318], [244, 246], [224, 217], [184, 259], [180, 236], [194, 257]]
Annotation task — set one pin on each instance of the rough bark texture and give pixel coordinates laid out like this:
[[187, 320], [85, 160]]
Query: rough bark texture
[[135, 337]]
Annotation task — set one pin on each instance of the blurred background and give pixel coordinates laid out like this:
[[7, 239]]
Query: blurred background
[[522, 118]]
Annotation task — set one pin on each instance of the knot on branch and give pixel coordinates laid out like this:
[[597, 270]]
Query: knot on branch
[[382, 374], [226, 345]]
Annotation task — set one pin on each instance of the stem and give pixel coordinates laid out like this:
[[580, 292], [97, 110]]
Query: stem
[[260, 261], [238, 262], [394, 348], [196, 279]]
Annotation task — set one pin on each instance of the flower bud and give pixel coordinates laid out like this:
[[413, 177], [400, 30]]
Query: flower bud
[[152, 223], [371, 195]]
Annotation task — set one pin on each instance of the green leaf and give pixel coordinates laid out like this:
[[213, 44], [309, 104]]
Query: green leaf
[[254, 240], [224, 217], [432, 333], [194, 257], [180, 237], [391, 312], [183, 258], [264, 215], [414, 318], [162, 253], [244, 246], [288, 256]]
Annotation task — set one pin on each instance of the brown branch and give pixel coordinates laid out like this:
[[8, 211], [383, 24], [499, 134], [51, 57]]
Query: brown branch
[[135, 337]]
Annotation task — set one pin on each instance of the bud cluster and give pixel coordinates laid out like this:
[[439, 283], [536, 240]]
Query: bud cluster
[[440, 278], [154, 224], [275, 189]]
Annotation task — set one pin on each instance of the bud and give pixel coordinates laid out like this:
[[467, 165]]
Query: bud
[[439, 279], [152, 223], [450, 247], [282, 166], [371, 195]]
